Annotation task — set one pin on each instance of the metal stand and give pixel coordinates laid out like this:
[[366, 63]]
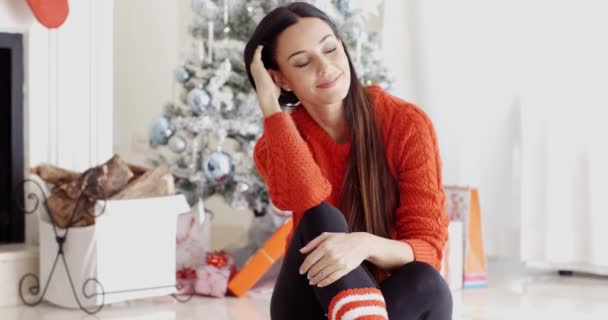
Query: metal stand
[[92, 190]]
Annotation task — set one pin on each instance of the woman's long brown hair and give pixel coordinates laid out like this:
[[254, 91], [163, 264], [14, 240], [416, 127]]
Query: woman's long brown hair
[[369, 195]]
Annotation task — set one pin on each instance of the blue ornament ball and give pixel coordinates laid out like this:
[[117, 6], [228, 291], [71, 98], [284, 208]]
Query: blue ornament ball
[[218, 167], [182, 75], [160, 132], [198, 100]]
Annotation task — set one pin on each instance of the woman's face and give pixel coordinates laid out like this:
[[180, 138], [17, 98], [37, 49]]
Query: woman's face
[[312, 63]]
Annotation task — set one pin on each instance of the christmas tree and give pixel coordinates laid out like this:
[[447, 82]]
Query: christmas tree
[[208, 132]]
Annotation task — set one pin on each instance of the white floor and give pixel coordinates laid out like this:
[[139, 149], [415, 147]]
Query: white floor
[[514, 293]]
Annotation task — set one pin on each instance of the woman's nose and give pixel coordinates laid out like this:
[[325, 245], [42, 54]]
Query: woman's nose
[[324, 67]]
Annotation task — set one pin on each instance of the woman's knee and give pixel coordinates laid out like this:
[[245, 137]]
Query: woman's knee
[[427, 282], [325, 217]]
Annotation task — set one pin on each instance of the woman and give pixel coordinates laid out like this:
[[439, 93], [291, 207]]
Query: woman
[[360, 170]]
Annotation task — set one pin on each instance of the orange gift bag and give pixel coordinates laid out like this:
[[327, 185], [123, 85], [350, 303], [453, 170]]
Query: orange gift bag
[[462, 204]]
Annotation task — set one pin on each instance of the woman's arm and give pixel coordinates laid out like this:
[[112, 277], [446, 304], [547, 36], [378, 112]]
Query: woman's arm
[[385, 253], [420, 220], [294, 179], [281, 156]]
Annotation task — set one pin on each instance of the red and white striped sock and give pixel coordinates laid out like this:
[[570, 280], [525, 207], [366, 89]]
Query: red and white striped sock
[[358, 304]]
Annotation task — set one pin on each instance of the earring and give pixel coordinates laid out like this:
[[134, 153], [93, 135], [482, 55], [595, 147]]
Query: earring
[[288, 99]]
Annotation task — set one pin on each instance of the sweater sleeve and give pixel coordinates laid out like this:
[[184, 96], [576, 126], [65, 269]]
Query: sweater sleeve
[[282, 158], [420, 220]]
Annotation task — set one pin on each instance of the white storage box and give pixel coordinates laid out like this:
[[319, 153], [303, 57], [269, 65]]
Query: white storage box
[[130, 250]]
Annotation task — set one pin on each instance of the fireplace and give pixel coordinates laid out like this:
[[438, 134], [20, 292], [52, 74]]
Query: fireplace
[[62, 116], [12, 228]]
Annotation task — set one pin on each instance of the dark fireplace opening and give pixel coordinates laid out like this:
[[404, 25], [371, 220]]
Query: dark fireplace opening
[[12, 222]]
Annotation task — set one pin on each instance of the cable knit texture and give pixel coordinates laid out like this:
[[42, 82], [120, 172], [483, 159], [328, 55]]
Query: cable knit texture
[[303, 166]]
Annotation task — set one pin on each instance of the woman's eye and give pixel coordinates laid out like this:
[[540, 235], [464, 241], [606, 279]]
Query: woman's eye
[[302, 65], [306, 63]]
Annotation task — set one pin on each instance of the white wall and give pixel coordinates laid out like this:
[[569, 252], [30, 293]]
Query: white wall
[[564, 104], [397, 33], [150, 37], [145, 54]]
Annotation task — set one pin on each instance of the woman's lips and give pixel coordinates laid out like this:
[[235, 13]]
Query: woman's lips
[[329, 84]]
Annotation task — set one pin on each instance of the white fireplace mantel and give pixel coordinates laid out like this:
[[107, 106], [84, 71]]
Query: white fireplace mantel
[[68, 89], [68, 98]]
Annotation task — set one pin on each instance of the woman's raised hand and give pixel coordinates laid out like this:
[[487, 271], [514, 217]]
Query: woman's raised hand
[[266, 89]]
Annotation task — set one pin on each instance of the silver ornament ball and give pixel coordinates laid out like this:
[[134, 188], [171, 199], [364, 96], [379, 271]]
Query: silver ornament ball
[[182, 75], [198, 100], [177, 144], [160, 132]]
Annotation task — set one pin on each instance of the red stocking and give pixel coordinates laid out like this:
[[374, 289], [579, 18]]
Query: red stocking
[[50, 13]]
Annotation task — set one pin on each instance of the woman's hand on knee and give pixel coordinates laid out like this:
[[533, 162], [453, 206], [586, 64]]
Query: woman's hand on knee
[[333, 255]]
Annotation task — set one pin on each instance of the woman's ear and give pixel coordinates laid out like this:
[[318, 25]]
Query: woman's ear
[[278, 78]]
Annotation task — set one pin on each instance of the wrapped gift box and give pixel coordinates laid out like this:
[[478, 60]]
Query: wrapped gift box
[[130, 251], [212, 281], [214, 274], [186, 279]]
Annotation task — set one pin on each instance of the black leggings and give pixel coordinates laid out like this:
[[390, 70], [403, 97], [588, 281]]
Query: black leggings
[[414, 291]]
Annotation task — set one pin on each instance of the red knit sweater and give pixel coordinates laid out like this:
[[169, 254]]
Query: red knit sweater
[[303, 166]]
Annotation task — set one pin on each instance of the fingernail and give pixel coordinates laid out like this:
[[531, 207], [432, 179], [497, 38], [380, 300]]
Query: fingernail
[[301, 271], [310, 283]]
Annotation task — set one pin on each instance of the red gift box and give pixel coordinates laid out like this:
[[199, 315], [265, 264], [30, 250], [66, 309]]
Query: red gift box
[[186, 279], [213, 276]]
